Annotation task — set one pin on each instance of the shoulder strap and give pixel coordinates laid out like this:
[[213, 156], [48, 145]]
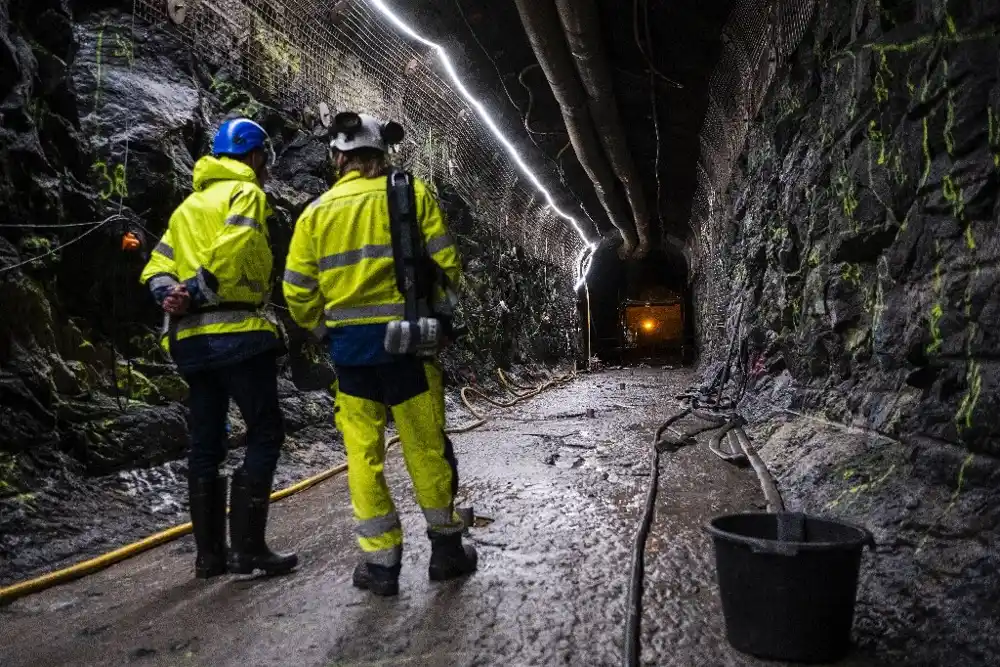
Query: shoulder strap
[[407, 244]]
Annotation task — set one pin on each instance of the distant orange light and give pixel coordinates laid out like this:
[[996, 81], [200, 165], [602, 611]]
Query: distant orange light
[[649, 325]]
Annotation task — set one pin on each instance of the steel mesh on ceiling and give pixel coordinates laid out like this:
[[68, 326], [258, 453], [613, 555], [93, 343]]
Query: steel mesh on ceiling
[[758, 39], [304, 52]]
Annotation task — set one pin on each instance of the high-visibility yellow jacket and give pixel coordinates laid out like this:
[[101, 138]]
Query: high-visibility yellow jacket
[[340, 270], [218, 236]]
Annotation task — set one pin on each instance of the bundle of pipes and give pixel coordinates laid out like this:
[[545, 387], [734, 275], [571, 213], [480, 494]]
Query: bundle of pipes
[[566, 38]]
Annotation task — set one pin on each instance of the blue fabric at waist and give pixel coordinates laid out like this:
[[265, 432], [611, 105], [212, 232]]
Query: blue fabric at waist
[[359, 345], [210, 351]]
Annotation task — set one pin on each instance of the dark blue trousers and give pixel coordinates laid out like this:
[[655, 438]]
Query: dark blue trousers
[[253, 386]]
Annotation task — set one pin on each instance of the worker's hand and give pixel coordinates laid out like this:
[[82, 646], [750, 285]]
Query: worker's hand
[[178, 302]]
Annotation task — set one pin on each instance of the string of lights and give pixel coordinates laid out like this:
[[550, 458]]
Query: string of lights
[[363, 56]]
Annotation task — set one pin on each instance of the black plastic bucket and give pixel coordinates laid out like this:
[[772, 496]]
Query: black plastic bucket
[[790, 598]]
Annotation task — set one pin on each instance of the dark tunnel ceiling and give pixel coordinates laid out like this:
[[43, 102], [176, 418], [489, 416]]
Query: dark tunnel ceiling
[[490, 49]]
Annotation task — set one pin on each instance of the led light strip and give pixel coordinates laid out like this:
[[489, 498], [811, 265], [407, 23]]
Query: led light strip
[[481, 110]]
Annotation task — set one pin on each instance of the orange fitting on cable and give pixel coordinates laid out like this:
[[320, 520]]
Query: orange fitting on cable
[[130, 242]]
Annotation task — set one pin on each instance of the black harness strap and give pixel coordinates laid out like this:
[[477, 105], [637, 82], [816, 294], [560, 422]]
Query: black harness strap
[[410, 260]]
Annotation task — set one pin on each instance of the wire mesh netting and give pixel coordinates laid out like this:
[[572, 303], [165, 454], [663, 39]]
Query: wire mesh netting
[[344, 53], [758, 39]]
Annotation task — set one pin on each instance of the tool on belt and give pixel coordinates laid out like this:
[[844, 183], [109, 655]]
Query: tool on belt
[[425, 323]]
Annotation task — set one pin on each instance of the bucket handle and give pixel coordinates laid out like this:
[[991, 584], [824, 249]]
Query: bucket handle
[[780, 548], [774, 548]]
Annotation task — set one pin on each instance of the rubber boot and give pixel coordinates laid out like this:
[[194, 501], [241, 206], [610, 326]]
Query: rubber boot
[[207, 500], [378, 579], [248, 525], [450, 559]]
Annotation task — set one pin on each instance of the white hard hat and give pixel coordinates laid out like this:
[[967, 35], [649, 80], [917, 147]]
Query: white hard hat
[[356, 131]]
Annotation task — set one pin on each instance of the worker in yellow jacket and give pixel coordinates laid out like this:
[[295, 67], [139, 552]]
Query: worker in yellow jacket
[[340, 283], [211, 273]]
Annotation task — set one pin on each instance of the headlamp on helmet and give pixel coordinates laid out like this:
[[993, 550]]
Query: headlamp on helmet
[[355, 131]]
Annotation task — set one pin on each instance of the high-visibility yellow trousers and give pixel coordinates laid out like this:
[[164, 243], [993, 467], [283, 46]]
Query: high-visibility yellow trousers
[[414, 391]]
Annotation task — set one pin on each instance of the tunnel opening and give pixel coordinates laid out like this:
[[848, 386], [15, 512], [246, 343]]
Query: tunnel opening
[[640, 311]]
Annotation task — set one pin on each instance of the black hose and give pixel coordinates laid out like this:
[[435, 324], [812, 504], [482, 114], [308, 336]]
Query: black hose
[[634, 604], [715, 443]]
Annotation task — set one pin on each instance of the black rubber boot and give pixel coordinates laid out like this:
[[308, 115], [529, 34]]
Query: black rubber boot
[[450, 559], [207, 499], [378, 579], [247, 527]]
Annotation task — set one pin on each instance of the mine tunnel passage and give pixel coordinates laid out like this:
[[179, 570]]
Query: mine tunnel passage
[[640, 310]]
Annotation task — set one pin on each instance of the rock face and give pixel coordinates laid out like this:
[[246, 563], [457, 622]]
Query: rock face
[[863, 241], [864, 212], [100, 125]]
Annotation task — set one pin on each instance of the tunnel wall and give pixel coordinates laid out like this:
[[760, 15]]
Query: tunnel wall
[[847, 268], [855, 242]]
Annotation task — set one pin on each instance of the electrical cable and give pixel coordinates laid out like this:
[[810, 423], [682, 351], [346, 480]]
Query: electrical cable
[[531, 106], [633, 605], [122, 404], [638, 42], [53, 251], [715, 444], [472, 31], [50, 226], [767, 485], [656, 124]]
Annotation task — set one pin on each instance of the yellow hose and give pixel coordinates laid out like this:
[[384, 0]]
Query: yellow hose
[[38, 584]]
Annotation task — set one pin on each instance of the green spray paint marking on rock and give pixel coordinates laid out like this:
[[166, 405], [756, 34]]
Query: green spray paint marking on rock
[[852, 274], [99, 75], [881, 79], [949, 126], [113, 181], [847, 194], [877, 137], [955, 196], [124, 49], [956, 494], [937, 310]]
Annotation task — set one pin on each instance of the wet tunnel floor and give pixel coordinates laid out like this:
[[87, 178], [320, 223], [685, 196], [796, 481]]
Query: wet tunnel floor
[[561, 493]]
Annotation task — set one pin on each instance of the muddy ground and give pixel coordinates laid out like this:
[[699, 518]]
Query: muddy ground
[[559, 494]]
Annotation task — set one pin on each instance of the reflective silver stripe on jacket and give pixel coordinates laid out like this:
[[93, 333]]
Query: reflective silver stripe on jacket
[[385, 557], [350, 257], [300, 280], [443, 521], [439, 243], [164, 250], [347, 201], [363, 312], [380, 525], [243, 221], [163, 280], [196, 320]]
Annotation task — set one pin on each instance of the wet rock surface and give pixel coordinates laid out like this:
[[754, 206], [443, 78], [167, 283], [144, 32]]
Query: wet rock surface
[[863, 217], [554, 544]]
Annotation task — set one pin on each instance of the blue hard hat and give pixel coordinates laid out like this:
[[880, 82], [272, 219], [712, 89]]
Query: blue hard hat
[[239, 136]]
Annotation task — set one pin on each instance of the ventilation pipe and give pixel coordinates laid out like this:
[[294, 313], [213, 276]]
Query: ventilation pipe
[[541, 23], [581, 24]]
